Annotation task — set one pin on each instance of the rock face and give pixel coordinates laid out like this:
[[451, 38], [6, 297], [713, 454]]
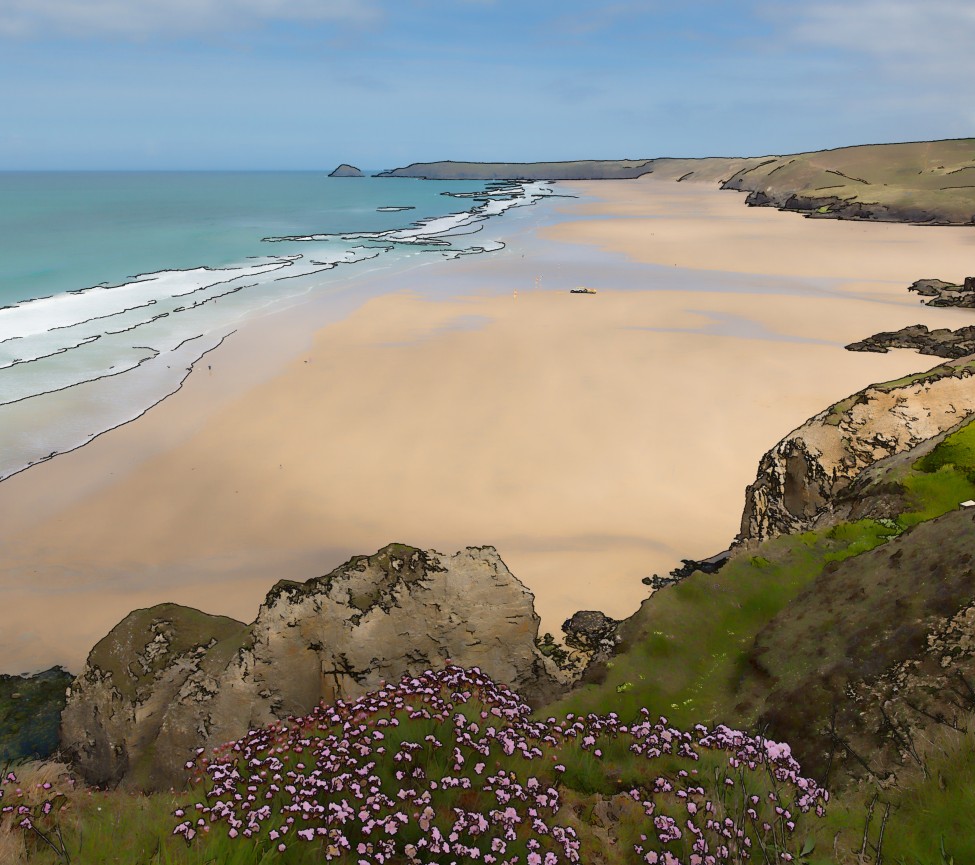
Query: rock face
[[346, 170], [169, 679], [942, 342], [800, 477]]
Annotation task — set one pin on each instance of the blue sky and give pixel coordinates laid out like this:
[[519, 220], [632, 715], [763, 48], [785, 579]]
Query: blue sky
[[306, 84]]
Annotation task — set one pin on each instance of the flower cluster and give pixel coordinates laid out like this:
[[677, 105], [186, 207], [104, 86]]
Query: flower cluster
[[33, 808], [448, 766], [732, 821], [349, 778]]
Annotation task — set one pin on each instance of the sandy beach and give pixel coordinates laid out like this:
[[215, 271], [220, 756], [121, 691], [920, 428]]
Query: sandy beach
[[593, 439]]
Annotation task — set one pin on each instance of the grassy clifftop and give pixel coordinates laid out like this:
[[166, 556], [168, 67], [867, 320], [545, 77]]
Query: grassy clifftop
[[926, 182]]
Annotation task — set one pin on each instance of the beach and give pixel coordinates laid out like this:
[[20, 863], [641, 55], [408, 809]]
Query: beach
[[592, 439]]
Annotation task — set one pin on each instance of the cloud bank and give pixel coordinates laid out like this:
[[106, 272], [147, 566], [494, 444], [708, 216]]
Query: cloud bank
[[142, 19], [914, 32]]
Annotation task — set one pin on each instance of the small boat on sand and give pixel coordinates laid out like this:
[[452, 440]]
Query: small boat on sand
[[582, 290]]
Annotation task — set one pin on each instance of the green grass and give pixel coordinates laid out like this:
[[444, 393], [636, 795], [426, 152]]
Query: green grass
[[684, 650], [941, 479]]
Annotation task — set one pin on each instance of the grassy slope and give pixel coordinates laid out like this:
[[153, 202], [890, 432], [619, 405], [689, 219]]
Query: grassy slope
[[782, 632], [931, 181]]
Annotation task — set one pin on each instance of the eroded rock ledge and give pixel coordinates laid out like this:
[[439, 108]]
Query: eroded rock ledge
[[800, 478], [170, 679]]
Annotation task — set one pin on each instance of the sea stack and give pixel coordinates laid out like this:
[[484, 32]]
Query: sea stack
[[345, 170]]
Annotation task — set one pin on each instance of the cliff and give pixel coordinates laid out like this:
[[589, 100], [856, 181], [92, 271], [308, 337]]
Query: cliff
[[169, 679], [799, 479]]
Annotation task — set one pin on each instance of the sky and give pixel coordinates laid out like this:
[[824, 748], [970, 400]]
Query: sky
[[307, 84]]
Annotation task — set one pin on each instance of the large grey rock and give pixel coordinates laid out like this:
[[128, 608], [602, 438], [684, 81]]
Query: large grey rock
[[170, 679]]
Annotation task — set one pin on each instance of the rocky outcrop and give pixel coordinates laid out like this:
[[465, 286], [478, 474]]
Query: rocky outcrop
[[591, 632], [942, 342], [946, 293], [798, 479], [346, 170], [710, 565], [169, 679]]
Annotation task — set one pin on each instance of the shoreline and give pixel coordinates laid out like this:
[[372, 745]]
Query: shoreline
[[460, 415]]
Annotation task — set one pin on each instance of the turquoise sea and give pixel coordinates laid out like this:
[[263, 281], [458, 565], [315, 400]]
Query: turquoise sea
[[114, 284]]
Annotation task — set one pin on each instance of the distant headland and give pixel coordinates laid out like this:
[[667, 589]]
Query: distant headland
[[924, 182]]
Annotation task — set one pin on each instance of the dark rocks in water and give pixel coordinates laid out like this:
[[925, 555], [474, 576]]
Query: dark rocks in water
[[940, 343], [946, 293], [170, 679], [346, 170], [30, 713]]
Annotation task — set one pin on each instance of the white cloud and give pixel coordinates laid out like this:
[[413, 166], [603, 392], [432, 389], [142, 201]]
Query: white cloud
[[914, 32], [139, 19]]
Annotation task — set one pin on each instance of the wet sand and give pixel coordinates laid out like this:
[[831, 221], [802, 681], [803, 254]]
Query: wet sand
[[593, 439]]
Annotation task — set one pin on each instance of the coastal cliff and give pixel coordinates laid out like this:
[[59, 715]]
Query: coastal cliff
[[799, 479], [168, 680]]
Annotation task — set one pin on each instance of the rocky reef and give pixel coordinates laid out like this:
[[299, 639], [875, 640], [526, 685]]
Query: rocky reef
[[943, 293], [942, 342], [799, 479], [169, 679]]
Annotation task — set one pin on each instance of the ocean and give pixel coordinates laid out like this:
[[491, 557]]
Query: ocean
[[114, 284]]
